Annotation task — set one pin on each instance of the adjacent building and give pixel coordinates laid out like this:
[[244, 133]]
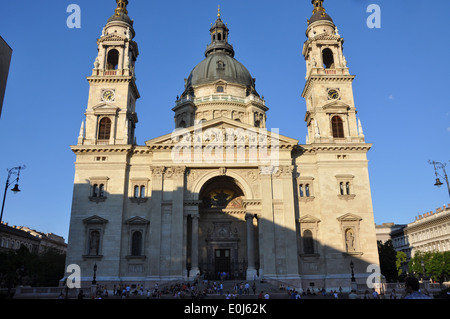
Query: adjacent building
[[429, 232], [5, 60], [13, 237], [219, 193]]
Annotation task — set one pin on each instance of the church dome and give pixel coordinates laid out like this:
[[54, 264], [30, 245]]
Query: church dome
[[319, 13], [320, 16], [121, 13], [219, 63], [220, 66]]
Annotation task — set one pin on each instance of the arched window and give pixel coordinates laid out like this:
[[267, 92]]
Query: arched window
[[94, 243], [328, 59], [301, 190], [112, 61], [95, 190], [142, 191], [347, 188], [307, 190], [341, 188], [337, 127], [104, 129], [136, 191], [136, 244], [308, 243], [101, 190]]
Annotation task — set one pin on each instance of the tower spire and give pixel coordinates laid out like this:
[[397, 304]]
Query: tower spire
[[318, 6], [219, 37], [121, 7]]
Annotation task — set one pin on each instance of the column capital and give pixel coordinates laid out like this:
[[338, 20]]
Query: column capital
[[249, 216], [158, 170]]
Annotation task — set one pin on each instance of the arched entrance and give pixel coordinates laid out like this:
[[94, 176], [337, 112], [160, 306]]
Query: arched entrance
[[223, 241]]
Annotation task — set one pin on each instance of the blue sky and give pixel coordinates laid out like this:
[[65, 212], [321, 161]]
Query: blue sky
[[401, 88]]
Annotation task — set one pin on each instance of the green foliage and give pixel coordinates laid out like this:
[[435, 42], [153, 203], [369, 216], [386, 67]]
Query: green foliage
[[388, 259], [435, 265], [21, 267], [400, 260]]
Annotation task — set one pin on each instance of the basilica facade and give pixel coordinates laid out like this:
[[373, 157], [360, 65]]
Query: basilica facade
[[220, 194]]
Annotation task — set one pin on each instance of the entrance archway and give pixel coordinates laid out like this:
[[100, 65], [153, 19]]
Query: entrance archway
[[222, 230]]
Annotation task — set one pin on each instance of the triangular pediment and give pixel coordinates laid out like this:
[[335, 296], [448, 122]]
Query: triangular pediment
[[105, 108], [349, 217], [309, 219], [137, 220], [95, 220], [206, 130], [112, 37], [336, 105]]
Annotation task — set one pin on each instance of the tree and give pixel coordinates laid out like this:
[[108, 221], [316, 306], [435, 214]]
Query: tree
[[435, 265], [400, 261], [22, 267], [388, 258]]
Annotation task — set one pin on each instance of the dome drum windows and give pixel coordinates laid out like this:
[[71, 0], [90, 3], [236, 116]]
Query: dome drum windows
[[221, 87]]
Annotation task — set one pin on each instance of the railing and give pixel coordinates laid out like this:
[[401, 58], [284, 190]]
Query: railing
[[121, 72], [215, 98], [322, 71]]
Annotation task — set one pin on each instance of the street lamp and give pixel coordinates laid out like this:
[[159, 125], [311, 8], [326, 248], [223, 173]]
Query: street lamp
[[12, 172], [95, 270], [438, 165], [353, 275]]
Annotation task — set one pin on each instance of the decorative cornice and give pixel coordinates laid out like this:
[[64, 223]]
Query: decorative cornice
[[101, 148], [317, 147]]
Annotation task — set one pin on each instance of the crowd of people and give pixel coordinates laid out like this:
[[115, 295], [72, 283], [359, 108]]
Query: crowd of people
[[200, 289]]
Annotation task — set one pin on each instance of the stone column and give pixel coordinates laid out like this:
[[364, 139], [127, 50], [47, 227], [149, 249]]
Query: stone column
[[251, 271], [155, 224], [194, 251], [176, 243]]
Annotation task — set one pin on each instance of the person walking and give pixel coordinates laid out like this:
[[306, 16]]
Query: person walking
[[412, 289]]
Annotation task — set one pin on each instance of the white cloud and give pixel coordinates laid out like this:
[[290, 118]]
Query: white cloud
[[391, 97]]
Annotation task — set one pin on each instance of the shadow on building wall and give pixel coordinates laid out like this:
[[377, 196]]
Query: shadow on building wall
[[149, 236]]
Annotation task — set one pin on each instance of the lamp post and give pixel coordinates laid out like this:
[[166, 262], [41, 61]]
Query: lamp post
[[353, 285], [95, 270], [12, 172], [439, 165], [353, 275]]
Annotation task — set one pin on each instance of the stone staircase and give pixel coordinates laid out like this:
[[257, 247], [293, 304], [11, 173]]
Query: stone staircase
[[265, 287]]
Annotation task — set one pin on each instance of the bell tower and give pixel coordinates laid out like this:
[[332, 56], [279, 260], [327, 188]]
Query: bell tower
[[110, 115], [330, 108]]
